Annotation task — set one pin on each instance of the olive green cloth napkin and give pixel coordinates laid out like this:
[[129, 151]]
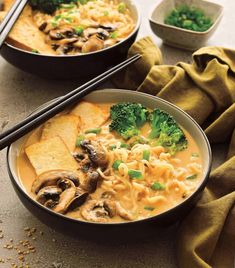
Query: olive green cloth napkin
[[206, 90]]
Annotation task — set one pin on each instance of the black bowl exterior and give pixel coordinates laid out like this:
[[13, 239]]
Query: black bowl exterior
[[68, 67]]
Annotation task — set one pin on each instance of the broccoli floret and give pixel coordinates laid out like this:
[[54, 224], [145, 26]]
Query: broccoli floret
[[49, 6], [127, 118], [167, 131]]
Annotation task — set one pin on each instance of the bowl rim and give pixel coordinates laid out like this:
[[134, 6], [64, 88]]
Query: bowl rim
[[16, 180], [164, 25], [137, 26]]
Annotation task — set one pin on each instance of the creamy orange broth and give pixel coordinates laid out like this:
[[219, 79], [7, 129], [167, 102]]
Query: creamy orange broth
[[174, 195]]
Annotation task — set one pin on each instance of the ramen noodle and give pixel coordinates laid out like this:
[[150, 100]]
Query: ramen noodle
[[117, 180]]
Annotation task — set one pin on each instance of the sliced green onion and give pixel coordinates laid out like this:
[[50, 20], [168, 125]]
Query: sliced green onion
[[157, 186], [149, 208], [113, 35], [79, 140], [122, 7], [106, 13], [93, 130], [116, 164], [192, 177], [195, 154], [135, 174], [125, 145], [35, 51], [112, 147], [146, 155], [79, 30]]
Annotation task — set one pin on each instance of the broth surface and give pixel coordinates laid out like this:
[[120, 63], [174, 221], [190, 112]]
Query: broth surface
[[174, 177]]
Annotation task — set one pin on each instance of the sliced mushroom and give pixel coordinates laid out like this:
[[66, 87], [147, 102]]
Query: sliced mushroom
[[98, 211], [96, 153], [93, 44], [60, 33], [90, 182], [43, 26], [88, 32], [108, 27], [65, 198], [67, 41], [109, 42], [123, 213], [51, 177], [79, 199], [48, 193]]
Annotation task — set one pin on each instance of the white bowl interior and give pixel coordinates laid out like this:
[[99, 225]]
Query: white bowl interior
[[117, 95]]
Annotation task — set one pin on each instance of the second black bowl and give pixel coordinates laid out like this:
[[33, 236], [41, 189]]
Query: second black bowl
[[72, 66]]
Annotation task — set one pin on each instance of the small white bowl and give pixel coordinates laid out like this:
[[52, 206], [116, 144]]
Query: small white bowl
[[179, 37]]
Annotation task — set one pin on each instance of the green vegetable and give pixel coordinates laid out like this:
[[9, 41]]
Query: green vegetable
[[49, 6], [135, 174], [146, 155], [127, 118], [149, 208], [125, 145], [122, 7], [192, 177], [106, 13], [113, 35], [157, 186], [79, 140], [116, 164], [79, 30], [35, 51], [195, 154], [190, 18], [112, 147], [167, 131], [93, 130]]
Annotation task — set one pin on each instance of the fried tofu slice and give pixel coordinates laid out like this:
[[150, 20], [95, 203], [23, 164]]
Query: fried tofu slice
[[65, 126], [91, 115], [25, 33], [50, 154]]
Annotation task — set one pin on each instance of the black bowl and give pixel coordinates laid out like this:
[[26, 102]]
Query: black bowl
[[72, 66], [134, 229]]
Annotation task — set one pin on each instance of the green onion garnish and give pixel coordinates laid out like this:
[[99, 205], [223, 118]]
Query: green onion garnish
[[113, 35], [195, 154], [79, 30], [124, 145], [106, 13], [135, 174], [122, 7], [93, 130], [157, 186], [149, 208], [116, 164], [79, 140], [192, 177], [146, 155], [112, 147]]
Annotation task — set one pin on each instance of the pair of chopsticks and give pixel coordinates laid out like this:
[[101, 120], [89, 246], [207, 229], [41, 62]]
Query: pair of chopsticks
[[36, 119], [10, 19]]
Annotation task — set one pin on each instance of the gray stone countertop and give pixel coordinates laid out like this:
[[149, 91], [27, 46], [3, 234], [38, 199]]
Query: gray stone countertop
[[21, 93]]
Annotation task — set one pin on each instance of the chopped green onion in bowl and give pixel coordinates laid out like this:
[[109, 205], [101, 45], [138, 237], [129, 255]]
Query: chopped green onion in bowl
[[190, 18]]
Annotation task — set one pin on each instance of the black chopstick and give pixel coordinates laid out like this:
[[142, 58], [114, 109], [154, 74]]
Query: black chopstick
[[51, 110], [10, 19]]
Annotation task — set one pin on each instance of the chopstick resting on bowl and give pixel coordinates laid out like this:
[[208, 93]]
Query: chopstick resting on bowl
[[36, 119], [10, 19]]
